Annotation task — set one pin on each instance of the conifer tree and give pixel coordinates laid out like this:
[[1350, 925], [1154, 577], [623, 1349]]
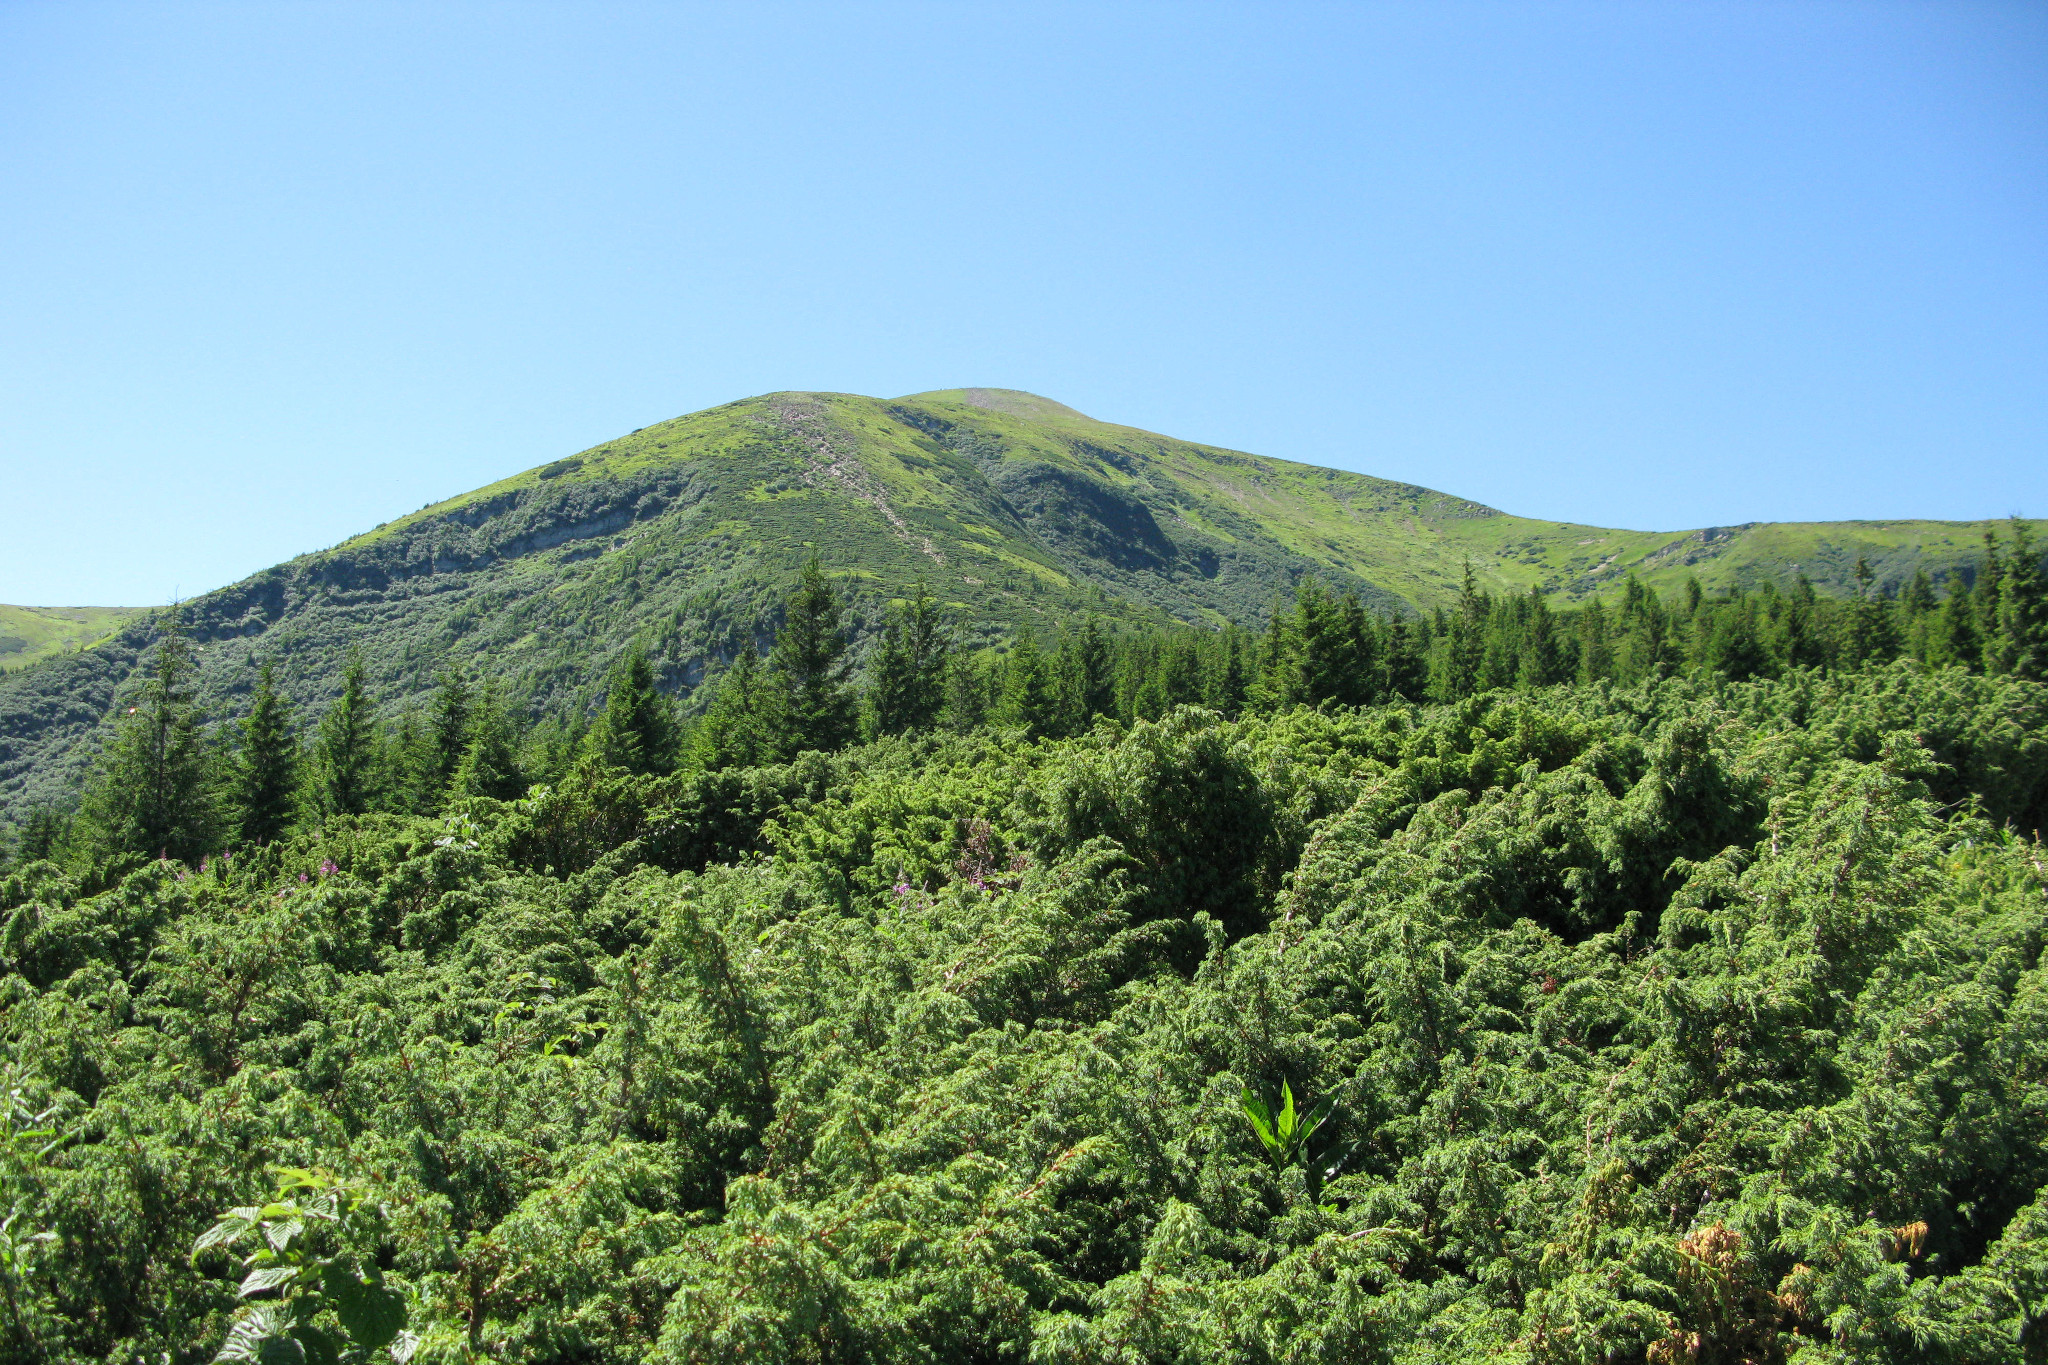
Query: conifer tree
[[1916, 615], [2019, 645], [1734, 643], [1596, 654], [42, 836], [1642, 650], [808, 667], [737, 729], [1542, 660], [266, 771], [1095, 674], [1952, 634], [1029, 700], [1988, 599], [966, 694], [407, 779], [1180, 670], [909, 686], [490, 764], [1867, 628], [1406, 672], [1798, 641], [1230, 673], [550, 750], [1460, 646], [152, 794], [636, 730], [345, 754], [448, 730]]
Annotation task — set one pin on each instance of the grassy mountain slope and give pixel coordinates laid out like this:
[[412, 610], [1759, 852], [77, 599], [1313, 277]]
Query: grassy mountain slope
[[31, 634], [1016, 510]]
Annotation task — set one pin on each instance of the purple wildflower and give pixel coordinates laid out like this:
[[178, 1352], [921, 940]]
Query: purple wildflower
[[327, 867]]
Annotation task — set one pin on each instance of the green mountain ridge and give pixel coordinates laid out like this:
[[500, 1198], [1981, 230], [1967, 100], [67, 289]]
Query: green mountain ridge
[[1018, 512]]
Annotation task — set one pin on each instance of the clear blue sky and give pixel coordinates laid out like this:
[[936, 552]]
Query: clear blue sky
[[271, 274]]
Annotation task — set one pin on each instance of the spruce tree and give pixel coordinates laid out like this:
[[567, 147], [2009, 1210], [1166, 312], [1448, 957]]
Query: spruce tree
[[1180, 670], [1460, 645], [1916, 615], [1867, 627], [737, 730], [1952, 636], [1096, 674], [808, 666], [966, 694], [266, 771], [1643, 649], [637, 729], [42, 836], [1734, 644], [1596, 653], [1799, 643], [1542, 660], [1029, 701], [1230, 674], [346, 752], [550, 750], [909, 685], [152, 793], [1406, 668], [1988, 599], [2019, 646], [490, 763], [448, 732]]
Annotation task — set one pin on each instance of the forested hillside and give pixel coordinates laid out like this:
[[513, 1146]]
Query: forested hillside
[[1658, 982], [1015, 512]]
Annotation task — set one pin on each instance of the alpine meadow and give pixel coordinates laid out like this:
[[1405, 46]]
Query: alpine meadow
[[947, 879]]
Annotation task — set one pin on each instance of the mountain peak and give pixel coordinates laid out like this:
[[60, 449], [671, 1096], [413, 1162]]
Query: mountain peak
[[1016, 402]]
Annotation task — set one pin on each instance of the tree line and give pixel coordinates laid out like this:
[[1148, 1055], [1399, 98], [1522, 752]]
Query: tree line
[[164, 789]]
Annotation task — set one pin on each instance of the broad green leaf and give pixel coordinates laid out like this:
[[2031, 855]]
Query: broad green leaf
[[1261, 1120], [1316, 1117], [269, 1277], [281, 1350], [259, 1323], [320, 1348], [372, 1315], [226, 1232]]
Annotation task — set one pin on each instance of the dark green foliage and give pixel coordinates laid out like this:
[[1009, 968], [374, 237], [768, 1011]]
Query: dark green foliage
[[907, 684], [489, 765], [447, 736], [1030, 697], [740, 729], [42, 835], [1693, 1012], [636, 731], [2018, 641], [151, 796], [266, 770], [807, 670], [1684, 1020], [345, 755]]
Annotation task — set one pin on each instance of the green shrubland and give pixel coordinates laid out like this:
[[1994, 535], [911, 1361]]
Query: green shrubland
[[1658, 984]]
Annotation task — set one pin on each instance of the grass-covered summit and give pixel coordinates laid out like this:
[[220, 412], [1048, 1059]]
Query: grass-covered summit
[[1016, 511], [31, 634]]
